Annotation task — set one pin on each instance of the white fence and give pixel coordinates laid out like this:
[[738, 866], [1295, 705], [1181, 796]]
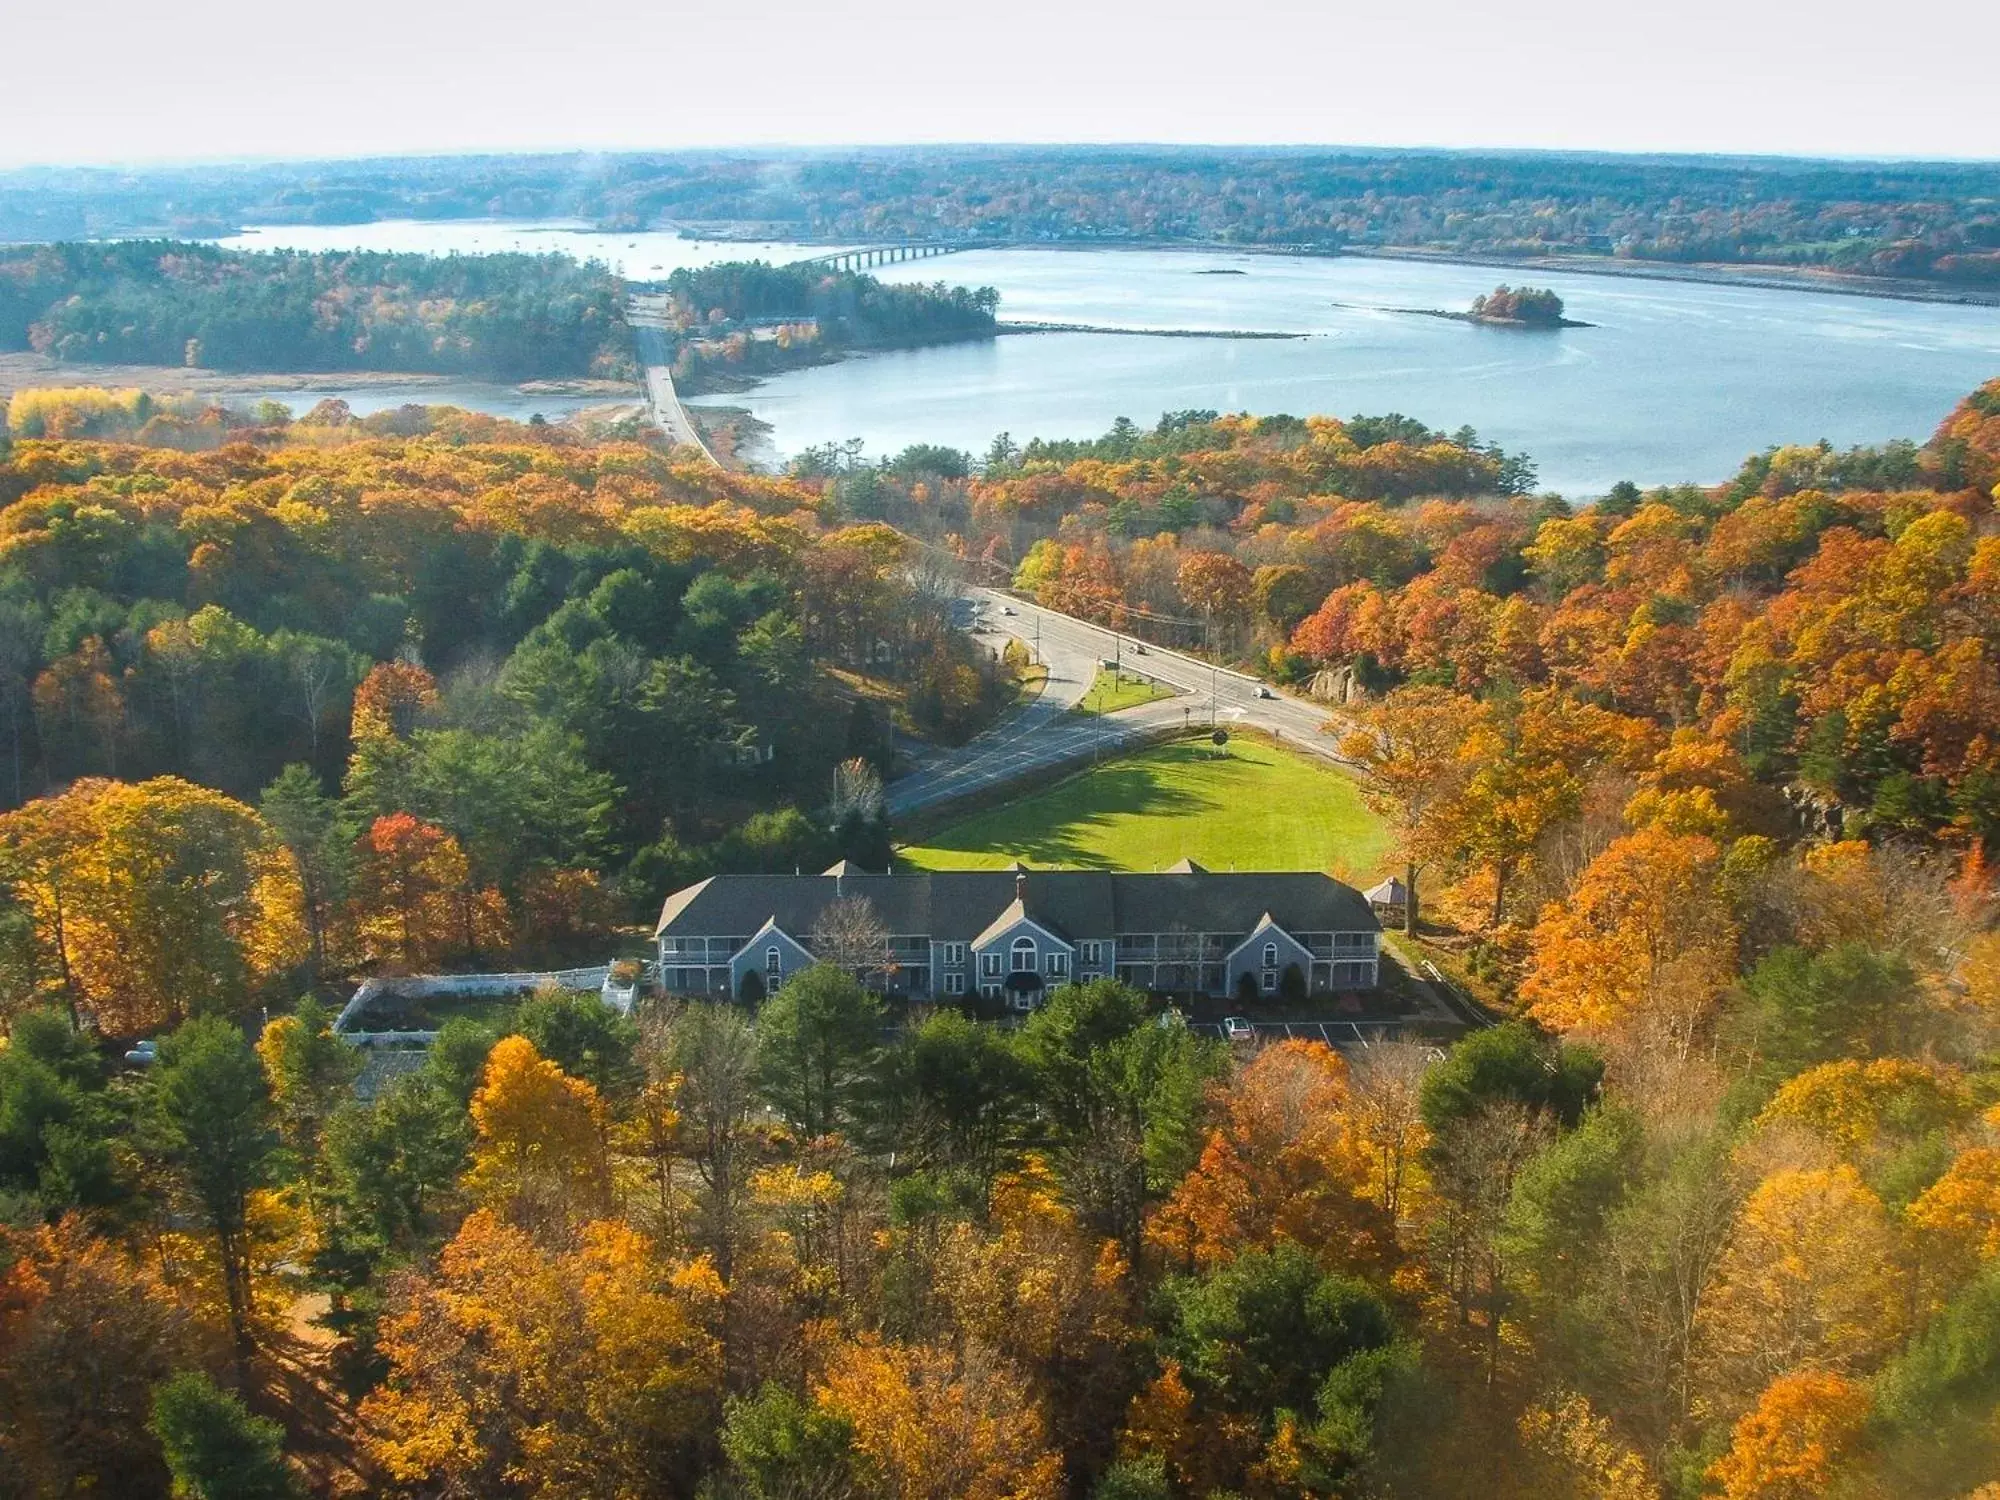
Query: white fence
[[418, 986]]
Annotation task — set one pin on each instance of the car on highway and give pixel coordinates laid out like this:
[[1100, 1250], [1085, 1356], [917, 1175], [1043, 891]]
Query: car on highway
[[1006, 609], [1264, 692], [1138, 648], [1238, 1028]]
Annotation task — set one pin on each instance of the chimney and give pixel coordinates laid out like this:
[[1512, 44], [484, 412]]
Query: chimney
[[1021, 885]]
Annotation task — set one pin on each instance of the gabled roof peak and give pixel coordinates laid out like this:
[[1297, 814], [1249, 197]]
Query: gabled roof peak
[[1184, 866]]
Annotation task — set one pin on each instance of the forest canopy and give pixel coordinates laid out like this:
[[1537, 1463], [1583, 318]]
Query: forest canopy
[[163, 302], [1695, 789]]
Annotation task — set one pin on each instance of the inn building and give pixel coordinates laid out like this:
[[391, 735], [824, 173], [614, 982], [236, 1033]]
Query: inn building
[[1011, 934]]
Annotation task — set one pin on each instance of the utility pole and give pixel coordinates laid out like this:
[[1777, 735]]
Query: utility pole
[[1211, 695]]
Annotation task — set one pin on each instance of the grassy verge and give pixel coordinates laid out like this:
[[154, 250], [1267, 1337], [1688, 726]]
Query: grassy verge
[[1111, 691], [1250, 806]]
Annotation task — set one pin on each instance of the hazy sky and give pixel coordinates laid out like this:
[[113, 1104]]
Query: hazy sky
[[135, 80]]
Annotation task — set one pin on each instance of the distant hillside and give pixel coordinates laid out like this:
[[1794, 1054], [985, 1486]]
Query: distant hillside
[[1929, 220]]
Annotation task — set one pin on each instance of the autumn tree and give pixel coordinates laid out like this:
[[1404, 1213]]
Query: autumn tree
[[1811, 1276], [519, 1369], [410, 891], [1411, 752], [155, 900], [931, 1427], [1795, 1442], [1647, 936], [1288, 1163], [87, 1330], [1034, 1285], [391, 699], [539, 1156]]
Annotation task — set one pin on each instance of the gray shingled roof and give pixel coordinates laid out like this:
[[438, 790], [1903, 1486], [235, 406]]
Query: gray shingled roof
[[957, 905]]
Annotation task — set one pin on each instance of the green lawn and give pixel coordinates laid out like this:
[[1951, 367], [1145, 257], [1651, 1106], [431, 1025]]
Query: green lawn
[[1111, 691], [1248, 807]]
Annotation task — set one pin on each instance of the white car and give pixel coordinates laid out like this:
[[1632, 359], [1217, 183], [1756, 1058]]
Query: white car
[[1238, 1028], [1264, 692], [1006, 609]]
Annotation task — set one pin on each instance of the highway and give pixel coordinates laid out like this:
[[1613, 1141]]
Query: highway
[[1220, 696], [647, 313], [1045, 734]]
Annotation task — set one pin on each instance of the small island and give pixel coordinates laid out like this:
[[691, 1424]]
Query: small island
[[1521, 307], [1504, 307]]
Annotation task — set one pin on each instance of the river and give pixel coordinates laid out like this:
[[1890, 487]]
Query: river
[[1675, 381]]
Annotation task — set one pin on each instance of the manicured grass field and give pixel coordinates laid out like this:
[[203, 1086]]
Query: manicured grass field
[[1110, 691], [1247, 807]]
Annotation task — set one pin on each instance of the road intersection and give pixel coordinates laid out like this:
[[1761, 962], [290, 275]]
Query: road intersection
[[1046, 733]]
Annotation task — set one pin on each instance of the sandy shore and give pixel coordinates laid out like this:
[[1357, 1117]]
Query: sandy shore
[[25, 371]]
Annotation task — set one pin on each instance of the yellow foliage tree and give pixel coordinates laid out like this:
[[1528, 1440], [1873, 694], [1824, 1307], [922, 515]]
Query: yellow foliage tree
[[1049, 1297], [1957, 1218], [540, 1155], [933, 1428], [153, 900], [1849, 1103], [518, 1370], [1811, 1276], [1579, 1457]]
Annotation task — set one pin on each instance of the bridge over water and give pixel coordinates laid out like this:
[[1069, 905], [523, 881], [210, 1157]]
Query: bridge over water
[[861, 258]]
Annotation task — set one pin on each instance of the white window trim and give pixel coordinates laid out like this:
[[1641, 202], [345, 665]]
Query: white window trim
[[954, 984], [990, 964]]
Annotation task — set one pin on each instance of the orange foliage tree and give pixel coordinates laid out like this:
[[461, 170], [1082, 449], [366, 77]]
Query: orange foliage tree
[[1791, 1446], [410, 902], [1646, 927], [1288, 1162]]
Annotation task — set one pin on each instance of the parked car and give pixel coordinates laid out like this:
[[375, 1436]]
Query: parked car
[[1238, 1028], [143, 1054]]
